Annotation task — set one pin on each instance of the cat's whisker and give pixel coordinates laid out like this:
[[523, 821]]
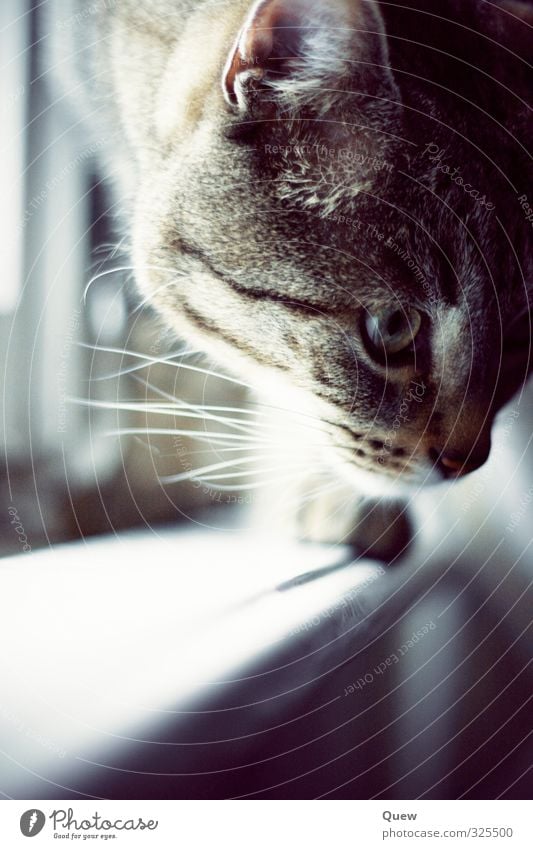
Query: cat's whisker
[[208, 373], [345, 446], [179, 407], [106, 273], [203, 435], [200, 408], [240, 426], [120, 247], [131, 269], [131, 369], [201, 370], [209, 407], [240, 474], [104, 246], [218, 449], [169, 360], [293, 412], [161, 360], [113, 248], [235, 449], [185, 411], [250, 487], [149, 298], [201, 473]]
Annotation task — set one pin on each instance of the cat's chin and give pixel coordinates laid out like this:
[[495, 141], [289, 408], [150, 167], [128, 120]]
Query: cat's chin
[[376, 484]]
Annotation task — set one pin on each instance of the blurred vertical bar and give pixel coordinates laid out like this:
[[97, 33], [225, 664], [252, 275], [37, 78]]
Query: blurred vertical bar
[[14, 37], [47, 440], [13, 46]]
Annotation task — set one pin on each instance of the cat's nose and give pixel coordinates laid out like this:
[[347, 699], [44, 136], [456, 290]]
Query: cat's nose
[[455, 464]]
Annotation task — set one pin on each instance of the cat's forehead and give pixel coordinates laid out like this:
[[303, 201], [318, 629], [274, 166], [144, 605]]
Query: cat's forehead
[[276, 235]]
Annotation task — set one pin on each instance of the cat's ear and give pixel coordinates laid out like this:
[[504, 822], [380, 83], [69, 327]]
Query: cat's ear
[[510, 23], [519, 9], [294, 49]]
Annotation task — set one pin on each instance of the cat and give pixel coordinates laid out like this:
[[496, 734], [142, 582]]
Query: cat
[[330, 198]]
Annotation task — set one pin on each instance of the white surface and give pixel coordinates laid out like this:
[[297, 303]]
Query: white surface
[[105, 636]]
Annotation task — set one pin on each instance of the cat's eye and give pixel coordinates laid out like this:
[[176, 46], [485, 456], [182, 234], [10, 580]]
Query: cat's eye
[[392, 331]]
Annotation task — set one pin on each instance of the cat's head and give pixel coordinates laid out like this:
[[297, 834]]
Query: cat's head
[[316, 214]]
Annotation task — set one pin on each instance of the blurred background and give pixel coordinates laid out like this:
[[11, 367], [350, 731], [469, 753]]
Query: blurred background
[[66, 290], [452, 719]]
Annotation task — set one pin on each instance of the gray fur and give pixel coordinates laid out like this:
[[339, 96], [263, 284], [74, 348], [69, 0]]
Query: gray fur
[[261, 231]]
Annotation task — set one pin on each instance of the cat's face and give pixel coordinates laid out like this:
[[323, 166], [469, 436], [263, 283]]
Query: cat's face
[[298, 220]]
